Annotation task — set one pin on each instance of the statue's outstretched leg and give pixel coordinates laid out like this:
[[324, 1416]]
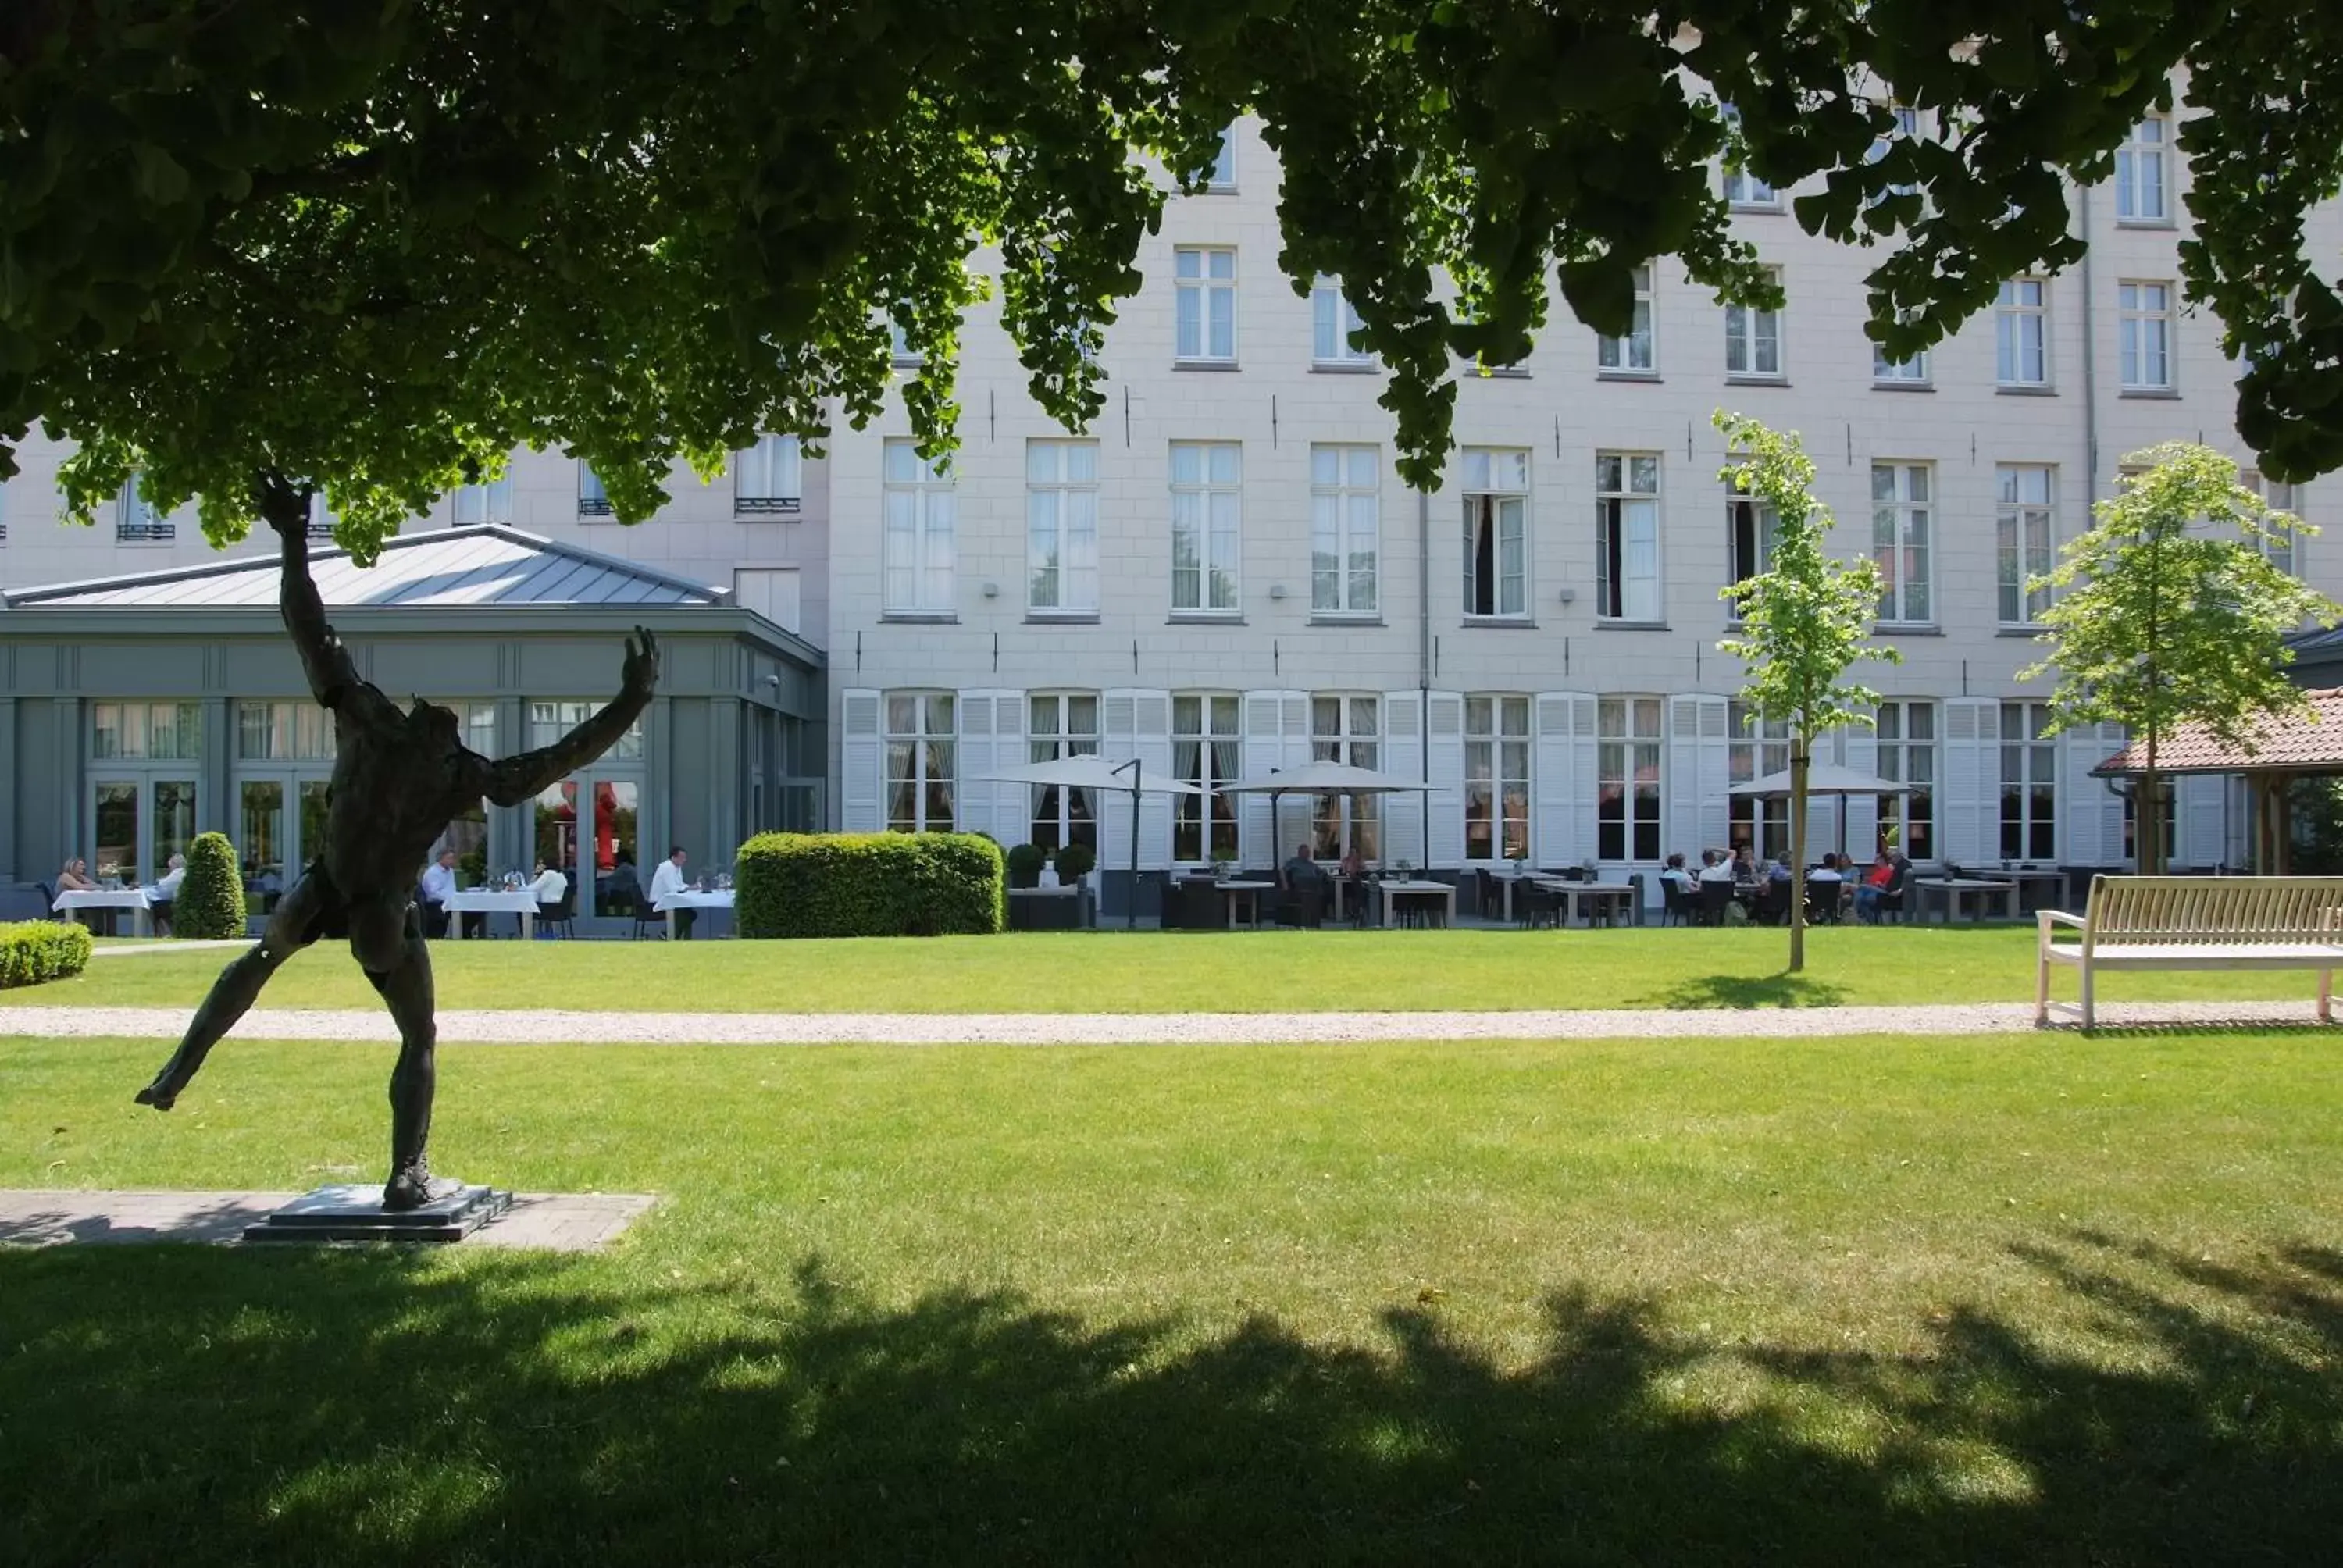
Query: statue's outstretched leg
[[404, 983], [239, 985]]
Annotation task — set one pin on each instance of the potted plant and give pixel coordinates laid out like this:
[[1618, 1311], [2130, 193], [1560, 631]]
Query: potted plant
[[1075, 861], [1025, 863]]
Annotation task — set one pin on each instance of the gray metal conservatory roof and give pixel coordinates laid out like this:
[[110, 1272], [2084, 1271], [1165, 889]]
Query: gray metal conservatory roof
[[484, 566]]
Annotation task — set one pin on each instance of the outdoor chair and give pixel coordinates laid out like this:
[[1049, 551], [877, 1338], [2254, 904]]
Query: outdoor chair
[[1822, 902], [1890, 903], [158, 917], [1676, 909], [1303, 907], [561, 916], [1200, 906], [48, 902], [1491, 896], [1772, 905], [1537, 906], [1712, 898]]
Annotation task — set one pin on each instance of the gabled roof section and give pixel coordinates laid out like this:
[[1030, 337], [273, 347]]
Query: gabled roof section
[[2306, 743], [484, 566]]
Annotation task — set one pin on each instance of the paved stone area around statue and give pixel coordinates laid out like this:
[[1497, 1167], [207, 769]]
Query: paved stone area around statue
[[548, 1028], [540, 1221]]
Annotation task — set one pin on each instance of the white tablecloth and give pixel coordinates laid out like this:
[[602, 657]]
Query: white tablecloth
[[692, 898], [494, 901], [134, 899]]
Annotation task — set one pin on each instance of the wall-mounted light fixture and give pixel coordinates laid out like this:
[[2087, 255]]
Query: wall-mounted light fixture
[[992, 590], [1277, 590]]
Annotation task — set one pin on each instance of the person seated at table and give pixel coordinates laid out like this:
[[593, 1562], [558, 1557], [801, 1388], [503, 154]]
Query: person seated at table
[[174, 873], [1677, 877], [1744, 863], [1354, 865], [1302, 872], [1873, 887], [1777, 871], [1828, 872], [549, 889], [623, 893], [1715, 868], [74, 877], [667, 879], [438, 885]]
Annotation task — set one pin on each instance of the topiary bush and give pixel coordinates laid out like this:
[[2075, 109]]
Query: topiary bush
[[1025, 863], [869, 885], [1074, 862], [32, 951], [210, 905]]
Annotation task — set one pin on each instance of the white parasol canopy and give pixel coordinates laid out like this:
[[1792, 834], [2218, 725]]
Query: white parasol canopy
[[1090, 773], [1325, 778], [1824, 778]]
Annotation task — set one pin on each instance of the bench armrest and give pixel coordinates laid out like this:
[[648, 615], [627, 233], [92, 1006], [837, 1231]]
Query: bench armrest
[[2043, 919]]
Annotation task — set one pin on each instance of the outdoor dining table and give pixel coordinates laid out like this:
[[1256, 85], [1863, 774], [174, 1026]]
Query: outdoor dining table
[[74, 900], [1391, 892], [1249, 892], [691, 898], [2055, 880], [522, 901], [1951, 891], [1572, 892]]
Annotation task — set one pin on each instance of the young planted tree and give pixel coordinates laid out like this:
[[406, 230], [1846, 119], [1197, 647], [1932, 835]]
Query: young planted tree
[[1804, 622], [2170, 611]]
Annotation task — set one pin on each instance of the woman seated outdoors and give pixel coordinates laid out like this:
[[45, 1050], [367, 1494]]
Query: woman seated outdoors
[[74, 877], [1874, 888]]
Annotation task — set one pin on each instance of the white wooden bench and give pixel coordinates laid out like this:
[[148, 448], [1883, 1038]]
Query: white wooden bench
[[2196, 923]]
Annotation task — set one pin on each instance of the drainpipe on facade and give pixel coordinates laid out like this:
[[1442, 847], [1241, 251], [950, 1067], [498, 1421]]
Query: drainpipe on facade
[[1424, 661], [2090, 371]]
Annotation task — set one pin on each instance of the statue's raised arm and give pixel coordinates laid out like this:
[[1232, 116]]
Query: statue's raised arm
[[523, 777], [333, 678]]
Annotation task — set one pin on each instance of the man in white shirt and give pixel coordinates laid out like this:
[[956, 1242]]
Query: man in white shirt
[[438, 885], [550, 885], [1714, 867], [669, 878], [167, 889]]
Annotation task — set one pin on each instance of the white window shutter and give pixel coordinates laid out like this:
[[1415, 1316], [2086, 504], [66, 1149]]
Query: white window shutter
[[861, 764], [1117, 742], [1682, 803], [2200, 805], [973, 798], [1013, 804], [1444, 750], [1264, 753], [1584, 784], [1862, 810], [1713, 778], [1292, 811], [1554, 812], [1139, 722], [2091, 833], [1403, 760], [1970, 830], [1822, 810]]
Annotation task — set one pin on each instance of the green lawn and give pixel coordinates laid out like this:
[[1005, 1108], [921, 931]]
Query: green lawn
[[1967, 1301], [1149, 971]]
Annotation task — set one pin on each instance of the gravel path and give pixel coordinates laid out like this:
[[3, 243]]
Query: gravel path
[[1130, 1029]]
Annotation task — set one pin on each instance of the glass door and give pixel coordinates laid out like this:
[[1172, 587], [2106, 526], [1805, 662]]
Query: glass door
[[115, 817], [262, 837], [617, 805]]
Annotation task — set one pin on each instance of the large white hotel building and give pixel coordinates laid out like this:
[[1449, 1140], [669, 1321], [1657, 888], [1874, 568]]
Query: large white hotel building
[[1225, 574]]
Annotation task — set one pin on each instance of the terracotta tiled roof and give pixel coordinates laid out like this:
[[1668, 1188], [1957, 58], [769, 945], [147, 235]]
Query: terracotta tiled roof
[[2306, 743]]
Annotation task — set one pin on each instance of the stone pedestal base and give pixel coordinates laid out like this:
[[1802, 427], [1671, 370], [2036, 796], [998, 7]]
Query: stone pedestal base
[[353, 1212]]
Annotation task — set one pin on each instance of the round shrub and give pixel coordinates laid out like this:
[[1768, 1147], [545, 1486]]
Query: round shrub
[[1074, 862], [869, 885], [1025, 863], [32, 951], [210, 904]]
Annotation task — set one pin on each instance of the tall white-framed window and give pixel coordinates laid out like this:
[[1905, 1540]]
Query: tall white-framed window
[[2286, 554], [1901, 513], [1753, 340], [1496, 532], [768, 476], [1627, 778], [550, 719], [136, 521], [2021, 333], [920, 761], [2027, 536], [321, 517], [1908, 129], [1348, 729], [1887, 372], [1206, 751], [2030, 783], [1627, 535], [1906, 733], [1063, 724], [488, 502], [1331, 322], [1222, 180], [1496, 777], [1207, 521], [1062, 574], [1345, 529], [899, 352], [593, 500], [1742, 188], [1205, 326], [917, 568], [2144, 332], [1754, 747], [2141, 165], [1753, 529], [1637, 353]]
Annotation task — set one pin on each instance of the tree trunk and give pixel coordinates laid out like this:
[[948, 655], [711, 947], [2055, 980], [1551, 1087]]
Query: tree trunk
[[1798, 766], [2147, 810]]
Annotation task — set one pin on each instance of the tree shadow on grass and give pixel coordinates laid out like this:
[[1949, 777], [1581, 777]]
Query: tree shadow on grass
[[1745, 992], [212, 1405]]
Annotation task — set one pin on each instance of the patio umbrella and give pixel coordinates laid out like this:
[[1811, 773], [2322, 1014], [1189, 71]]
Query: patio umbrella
[[1094, 772], [1825, 779], [1336, 778]]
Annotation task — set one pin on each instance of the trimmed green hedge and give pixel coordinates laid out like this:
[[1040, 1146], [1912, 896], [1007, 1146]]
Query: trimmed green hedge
[[869, 885], [210, 905], [32, 951]]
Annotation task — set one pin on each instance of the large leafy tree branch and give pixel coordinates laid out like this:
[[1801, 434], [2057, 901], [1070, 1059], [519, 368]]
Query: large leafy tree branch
[[1806, 620], [2170, 612], [376, 246]]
